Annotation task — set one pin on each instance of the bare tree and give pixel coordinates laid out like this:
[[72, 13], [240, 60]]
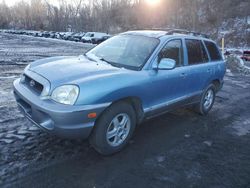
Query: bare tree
[[120, 15]]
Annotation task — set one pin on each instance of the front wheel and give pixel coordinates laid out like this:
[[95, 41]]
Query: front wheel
[[206, 101], [113, 129]]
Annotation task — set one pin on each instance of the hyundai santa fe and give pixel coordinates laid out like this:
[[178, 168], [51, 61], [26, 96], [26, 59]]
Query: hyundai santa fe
[[103, 94]]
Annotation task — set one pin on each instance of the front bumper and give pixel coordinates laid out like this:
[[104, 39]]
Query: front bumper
[[62, 120]]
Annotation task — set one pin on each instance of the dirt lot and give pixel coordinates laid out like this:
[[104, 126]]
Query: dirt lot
[[178, 149]]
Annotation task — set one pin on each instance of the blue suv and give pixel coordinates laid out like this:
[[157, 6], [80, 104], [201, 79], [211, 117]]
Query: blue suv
[[103, 94]]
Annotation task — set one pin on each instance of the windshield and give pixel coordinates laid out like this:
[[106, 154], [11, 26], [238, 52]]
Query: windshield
[[127, 51], [88, 34]]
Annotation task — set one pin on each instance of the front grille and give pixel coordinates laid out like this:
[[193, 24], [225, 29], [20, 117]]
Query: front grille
[[33, 85]]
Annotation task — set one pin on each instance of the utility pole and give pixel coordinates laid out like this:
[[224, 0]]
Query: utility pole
[[223, 44]]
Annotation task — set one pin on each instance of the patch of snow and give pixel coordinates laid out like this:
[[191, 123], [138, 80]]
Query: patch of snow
[[193, 174], [165, 178], [248, 20], [21, 137], [225, 32], [242, 127], [229, 73], [242, 63], [8, 77], [208, 143], [7, 141], [22, 131], [155, 161], [160, 158], [33, 128]]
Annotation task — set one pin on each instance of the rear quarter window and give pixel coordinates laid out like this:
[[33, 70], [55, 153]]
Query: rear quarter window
[[213, 51], [196, 52]]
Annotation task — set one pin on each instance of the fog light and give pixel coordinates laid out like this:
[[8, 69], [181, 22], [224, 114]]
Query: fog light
[[92, 115]]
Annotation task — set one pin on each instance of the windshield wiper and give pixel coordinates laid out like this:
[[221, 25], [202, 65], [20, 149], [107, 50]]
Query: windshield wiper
[[94, 58], [111, 63], [89, 58]]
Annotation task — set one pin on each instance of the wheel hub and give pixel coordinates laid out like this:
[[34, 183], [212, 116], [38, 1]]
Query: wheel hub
[[118, 129], [208, 100]]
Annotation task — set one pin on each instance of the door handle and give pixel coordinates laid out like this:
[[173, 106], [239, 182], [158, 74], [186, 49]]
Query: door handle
[[183, 75]]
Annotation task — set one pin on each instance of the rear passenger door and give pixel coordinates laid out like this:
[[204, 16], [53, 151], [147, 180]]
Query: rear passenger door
[[199, 70]]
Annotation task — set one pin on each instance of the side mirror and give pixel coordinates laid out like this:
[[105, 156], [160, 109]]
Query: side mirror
[[166, 64]]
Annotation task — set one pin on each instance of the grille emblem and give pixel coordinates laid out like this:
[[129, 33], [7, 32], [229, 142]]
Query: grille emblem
[[32, 83]]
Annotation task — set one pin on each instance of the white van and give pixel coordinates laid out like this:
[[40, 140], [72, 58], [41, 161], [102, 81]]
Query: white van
[[94, 37]]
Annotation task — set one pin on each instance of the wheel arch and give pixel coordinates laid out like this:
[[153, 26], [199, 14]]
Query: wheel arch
[[136, 104], [217, 84]]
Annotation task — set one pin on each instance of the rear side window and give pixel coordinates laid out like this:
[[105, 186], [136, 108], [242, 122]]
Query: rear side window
[[173, 50], [213, 51], [196, 52]]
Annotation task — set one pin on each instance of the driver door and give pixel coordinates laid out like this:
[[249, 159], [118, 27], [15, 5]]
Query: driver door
[[169, 87]]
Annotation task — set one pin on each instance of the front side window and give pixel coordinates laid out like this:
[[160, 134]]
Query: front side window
[[196, 52], [173, 50], [129, 51], [213, 51]]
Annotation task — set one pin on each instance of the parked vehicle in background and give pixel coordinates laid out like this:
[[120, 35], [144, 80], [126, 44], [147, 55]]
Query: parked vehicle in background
[[90, 37], [103, 94], [46, 34], [36, 33], [76, 36], [227, 53], [93, 37], [40, 34], [246, 55], [100, 40], [59, 35], [52, 34], [67, 35]]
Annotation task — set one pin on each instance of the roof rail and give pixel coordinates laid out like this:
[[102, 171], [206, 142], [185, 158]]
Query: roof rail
[[171, 31]]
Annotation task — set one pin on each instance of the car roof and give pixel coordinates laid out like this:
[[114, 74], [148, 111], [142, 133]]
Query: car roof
[[160, 33], [96, 32], [147, 33]]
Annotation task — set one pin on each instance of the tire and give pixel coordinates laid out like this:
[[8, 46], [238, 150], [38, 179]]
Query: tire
[[110, 134], [206, 101]]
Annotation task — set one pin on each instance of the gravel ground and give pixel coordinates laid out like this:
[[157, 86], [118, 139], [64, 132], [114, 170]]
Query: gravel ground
[[178, 149]]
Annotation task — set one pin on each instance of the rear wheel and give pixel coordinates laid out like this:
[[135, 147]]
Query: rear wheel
[[206, 101], [113, 129]]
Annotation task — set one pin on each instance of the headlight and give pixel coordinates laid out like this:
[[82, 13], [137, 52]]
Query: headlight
[[27, 67], [66, 94], [22, 75]]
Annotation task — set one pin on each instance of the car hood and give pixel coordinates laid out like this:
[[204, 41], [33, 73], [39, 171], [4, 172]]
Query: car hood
[[63, 70]]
